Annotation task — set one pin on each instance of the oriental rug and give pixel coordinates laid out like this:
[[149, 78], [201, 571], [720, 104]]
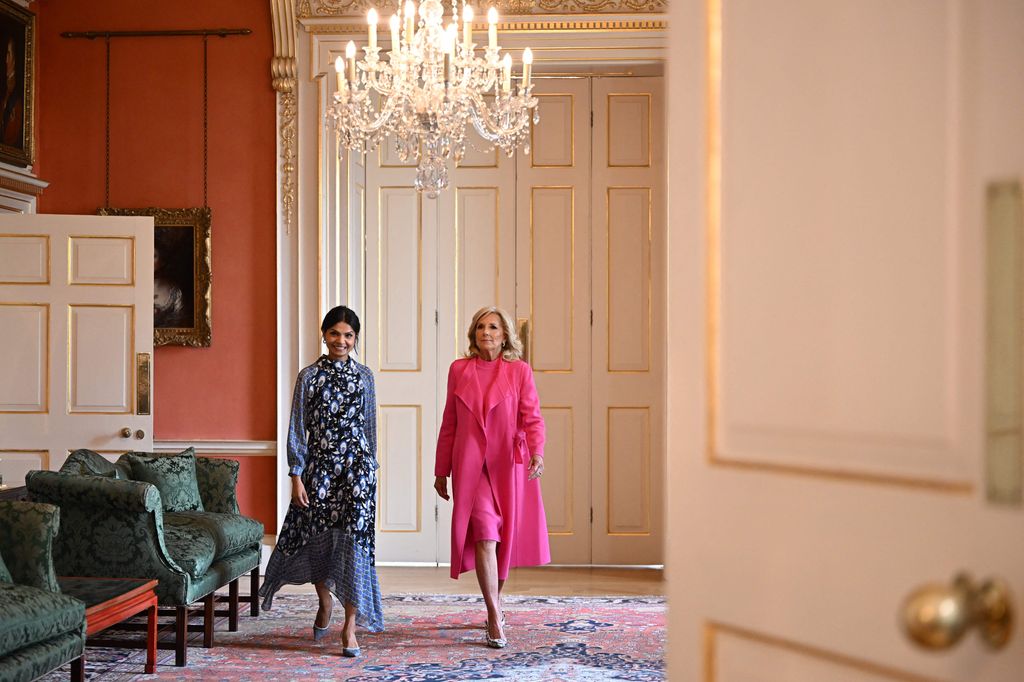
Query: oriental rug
[[428, 639]]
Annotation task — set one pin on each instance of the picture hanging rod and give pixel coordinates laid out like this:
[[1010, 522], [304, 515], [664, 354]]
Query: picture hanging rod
[[219, 32]]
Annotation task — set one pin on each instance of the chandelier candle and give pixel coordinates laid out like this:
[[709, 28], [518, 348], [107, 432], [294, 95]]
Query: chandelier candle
[[371, 19], [429, 88]]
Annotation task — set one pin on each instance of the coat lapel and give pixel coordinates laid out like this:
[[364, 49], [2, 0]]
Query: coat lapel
[[481, 401]]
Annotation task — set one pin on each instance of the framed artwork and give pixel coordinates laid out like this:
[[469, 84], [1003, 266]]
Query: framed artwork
[[181, 274], [17, 88]]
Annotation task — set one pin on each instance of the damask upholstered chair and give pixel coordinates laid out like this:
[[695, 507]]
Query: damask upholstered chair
[[174, 518], [40, 628]]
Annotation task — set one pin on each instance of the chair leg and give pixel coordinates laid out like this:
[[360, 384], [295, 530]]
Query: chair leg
[[233, 605], [208, 621], [254, 588], [181, 636], [78, 669]]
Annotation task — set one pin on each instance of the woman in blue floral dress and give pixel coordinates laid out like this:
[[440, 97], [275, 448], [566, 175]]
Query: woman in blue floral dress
[[328, 533]]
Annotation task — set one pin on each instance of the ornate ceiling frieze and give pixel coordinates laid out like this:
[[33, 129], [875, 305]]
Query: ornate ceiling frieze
[[313, 9]]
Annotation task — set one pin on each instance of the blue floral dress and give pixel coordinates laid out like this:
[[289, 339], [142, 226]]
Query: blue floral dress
[[332, 445]]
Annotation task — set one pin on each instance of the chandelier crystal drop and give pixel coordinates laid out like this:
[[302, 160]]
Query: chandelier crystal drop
[[430, 88]]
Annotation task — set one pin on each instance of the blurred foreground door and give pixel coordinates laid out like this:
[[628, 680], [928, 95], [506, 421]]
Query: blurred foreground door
[[844, 343]]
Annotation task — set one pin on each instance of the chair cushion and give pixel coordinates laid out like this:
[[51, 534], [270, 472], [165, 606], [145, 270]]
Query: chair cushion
[[190, 545], [31, 615], [88, 463], [173, 475], [5, 575], [231, 532]]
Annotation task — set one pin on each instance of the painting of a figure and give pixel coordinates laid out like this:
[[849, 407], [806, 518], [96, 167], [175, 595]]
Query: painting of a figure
[[17, 45], [173, 274], [181, 274]]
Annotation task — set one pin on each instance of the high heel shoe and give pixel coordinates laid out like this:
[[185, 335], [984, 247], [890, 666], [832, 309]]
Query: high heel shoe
[[349, 651], [496, 642], [321, 632]]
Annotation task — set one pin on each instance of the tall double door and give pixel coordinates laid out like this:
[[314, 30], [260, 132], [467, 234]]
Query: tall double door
[[569, 239]]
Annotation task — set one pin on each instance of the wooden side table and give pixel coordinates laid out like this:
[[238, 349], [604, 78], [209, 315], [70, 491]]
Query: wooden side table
[[108, 601]]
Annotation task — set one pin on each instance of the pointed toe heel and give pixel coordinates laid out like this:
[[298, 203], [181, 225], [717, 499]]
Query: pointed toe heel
[[319, 633], [351, 652], [499, 643]]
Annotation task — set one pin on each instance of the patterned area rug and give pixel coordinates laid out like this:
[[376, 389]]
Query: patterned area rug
[[428, 639]]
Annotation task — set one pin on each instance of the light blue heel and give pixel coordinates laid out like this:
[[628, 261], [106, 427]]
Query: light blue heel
[[320, 633], [351, 652]]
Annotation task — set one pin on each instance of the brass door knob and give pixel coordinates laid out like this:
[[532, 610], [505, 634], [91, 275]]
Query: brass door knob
[[125, 432], [937, 616]]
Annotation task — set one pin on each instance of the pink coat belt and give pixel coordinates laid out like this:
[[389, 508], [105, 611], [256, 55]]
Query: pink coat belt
[[520, 451]]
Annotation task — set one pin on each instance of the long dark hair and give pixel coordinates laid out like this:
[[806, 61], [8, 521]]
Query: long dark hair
[[341, 314]]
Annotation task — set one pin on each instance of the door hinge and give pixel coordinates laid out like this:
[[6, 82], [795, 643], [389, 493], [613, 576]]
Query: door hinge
[[591, 515], [436, 514], [591, 318], [437, 318], [591, 119]]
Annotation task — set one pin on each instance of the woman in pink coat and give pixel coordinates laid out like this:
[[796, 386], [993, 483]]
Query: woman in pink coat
[[492, 445]]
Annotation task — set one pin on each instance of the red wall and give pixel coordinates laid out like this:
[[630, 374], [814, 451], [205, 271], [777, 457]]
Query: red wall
[[156, 159]]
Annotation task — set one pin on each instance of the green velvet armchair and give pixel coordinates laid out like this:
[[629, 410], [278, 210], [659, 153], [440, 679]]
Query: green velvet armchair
[[119, 527], [40, 628]]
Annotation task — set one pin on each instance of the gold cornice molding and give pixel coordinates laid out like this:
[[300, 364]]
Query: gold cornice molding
[[314, 9], [540, 26]]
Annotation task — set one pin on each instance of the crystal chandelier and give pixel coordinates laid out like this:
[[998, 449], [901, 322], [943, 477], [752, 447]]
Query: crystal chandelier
[[429, 89]]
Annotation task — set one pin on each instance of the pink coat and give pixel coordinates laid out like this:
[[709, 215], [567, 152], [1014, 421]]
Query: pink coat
[[503, 427]]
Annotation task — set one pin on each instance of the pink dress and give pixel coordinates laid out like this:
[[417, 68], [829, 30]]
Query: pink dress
[[493, 425]]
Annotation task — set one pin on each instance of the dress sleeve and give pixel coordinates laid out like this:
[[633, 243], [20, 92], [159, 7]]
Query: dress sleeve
[[370, 412], [530, 419], [297, 427], [446, 437]]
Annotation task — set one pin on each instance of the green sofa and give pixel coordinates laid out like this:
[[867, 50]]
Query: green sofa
[[120, 527], [40, 628]]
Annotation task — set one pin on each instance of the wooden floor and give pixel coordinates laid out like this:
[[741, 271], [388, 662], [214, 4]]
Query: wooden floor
[[547, 580]]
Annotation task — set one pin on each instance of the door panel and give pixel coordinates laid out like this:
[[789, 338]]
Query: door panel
[[628, 209], [826, 326], [401, 348], [76, 301], [553, 294]]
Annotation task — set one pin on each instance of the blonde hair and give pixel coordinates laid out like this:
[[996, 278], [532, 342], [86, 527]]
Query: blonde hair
[[511, 350]]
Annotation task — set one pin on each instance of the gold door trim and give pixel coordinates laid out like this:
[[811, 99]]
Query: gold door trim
[[713, 197], [49, 265], [572, 131], [608, 279], [713, 629], [46, 361], [608, 128], [71, 245], [570, 469], [419, 281], [646, 502], [129, 370], [458, 255], [572, 281], [382, 490]]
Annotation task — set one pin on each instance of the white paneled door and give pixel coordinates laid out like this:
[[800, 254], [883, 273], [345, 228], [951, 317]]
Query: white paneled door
[[76, 338], [570, 240], [628, 336], [553, 294], [844, 315]]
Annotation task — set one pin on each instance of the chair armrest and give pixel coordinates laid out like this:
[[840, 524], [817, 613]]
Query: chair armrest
[[112, 527], [27, 530], [218, 480]]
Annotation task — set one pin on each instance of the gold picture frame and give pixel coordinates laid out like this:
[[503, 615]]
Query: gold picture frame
[[17, 88], [181, 274]]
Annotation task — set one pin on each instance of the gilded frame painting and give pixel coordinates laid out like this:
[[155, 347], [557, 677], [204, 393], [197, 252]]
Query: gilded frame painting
[[182, 274], [17, 88]]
